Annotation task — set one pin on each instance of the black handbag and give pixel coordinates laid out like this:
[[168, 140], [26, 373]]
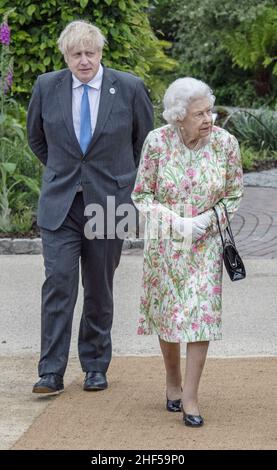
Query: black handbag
[[232, 260]]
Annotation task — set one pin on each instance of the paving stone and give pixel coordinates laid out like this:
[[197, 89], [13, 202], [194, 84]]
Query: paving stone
[[22, 246], [6, 246]]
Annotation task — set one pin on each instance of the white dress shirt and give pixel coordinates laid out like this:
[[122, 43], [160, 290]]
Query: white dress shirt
[[93, 96]]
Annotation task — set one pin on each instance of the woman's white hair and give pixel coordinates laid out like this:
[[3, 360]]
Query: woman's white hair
[[80, 33], [180, 94]]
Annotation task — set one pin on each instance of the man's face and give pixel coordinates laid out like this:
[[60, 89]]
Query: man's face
[[84, 61]]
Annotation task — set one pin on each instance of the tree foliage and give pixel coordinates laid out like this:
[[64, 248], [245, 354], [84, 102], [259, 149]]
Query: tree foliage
[[164, 23], [254, 47], [200, 30], [132, 45]]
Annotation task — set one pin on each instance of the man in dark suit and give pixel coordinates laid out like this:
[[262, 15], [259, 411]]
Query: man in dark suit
[[86, 124]]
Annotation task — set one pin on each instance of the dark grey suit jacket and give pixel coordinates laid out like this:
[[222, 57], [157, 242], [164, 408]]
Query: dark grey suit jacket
[[108, 168]]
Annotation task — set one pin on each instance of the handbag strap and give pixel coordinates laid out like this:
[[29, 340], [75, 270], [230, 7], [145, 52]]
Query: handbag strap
[[228, 228], [217, 219]]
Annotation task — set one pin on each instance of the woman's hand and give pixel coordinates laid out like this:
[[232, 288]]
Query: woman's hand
[[200, 223], [195, 227], [182, 225]]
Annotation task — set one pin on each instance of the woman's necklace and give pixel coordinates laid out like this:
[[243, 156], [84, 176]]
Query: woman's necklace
[[192, 145]]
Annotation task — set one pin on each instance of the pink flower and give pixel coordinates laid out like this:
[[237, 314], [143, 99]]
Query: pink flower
[[8, 81], [217, 289], [169, 185], [191, 172], [203, 288], [162, 162], [138, 188], [161, 249], [5, 34], [140, 330], [184, 184], [208, 319], [147, 164], [170, 202], [195, 326], [163, 137]]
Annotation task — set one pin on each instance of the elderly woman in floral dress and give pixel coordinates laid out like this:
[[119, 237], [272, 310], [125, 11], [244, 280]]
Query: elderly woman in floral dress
[[188, 168]]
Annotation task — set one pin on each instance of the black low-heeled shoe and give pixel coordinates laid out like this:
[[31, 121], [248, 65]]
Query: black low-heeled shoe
[[194, 421], [174, 405]]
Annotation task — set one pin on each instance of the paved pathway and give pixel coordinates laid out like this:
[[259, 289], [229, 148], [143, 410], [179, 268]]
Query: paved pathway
[[255, 224]]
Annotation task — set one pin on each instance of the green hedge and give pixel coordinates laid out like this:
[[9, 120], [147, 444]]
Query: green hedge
[[132, 46]]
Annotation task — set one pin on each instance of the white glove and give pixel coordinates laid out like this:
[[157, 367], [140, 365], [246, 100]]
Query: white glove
[[200, 223], [182, 225]]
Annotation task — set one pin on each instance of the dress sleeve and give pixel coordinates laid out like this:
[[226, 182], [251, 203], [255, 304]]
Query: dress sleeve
[[158, 216], [233, 188], [144, 191]]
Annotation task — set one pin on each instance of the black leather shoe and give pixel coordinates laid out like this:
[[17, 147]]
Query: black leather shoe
[[193, 420], [173, 405], [49, 384], [95, 381]]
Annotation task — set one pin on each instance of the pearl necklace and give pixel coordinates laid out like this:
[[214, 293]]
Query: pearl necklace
[[198, 142]]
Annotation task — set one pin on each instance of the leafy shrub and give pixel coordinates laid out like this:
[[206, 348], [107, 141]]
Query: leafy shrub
[[253, 47], [253, 160], [132, 45], [257, 128], [19, 172]]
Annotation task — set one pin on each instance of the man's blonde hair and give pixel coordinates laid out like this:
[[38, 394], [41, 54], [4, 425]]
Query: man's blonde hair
[[80, 33]]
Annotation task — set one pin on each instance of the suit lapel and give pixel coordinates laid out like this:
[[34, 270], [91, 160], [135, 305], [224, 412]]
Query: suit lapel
[[108, 95], [64, 90]]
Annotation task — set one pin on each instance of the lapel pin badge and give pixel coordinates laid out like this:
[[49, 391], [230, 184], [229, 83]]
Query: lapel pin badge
[[112, 91]]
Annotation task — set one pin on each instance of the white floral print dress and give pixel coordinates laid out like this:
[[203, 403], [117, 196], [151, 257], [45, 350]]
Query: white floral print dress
[[181, 299]]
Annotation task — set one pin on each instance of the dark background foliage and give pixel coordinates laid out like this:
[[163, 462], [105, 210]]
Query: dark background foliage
[[201, 32]]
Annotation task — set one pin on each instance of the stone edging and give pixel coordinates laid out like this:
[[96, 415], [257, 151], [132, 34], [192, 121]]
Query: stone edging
[[28, 246]]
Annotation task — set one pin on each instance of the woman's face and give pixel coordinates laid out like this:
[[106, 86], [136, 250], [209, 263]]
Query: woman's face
[[198, 120]]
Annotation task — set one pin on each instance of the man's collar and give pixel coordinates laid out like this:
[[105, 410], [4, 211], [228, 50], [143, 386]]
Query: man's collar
[[95, 82]]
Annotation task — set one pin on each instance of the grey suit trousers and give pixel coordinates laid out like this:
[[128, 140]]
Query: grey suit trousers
[[62, 250]]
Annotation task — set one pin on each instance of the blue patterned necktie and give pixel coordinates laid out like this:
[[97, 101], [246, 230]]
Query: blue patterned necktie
[[85, 123]]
